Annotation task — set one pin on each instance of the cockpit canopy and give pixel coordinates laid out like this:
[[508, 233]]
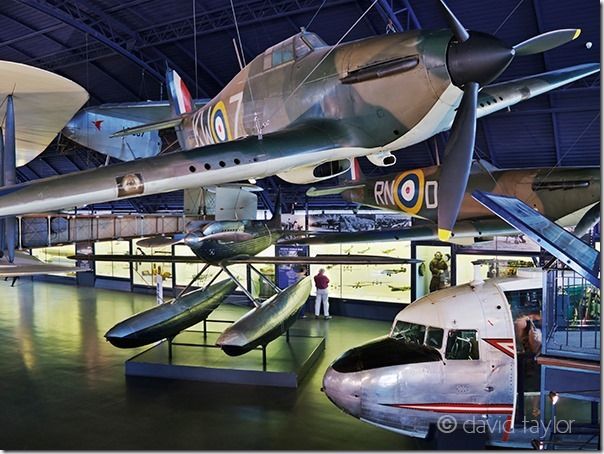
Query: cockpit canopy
[[292, 48], [461, 344]]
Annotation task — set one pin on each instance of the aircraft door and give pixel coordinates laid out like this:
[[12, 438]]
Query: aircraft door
[[464, 374], [498, 344]]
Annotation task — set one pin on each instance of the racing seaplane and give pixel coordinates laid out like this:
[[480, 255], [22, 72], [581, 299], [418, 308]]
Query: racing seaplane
[[225, 243]]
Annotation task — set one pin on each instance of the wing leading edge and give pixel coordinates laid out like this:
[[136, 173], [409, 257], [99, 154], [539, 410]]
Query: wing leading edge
[[316, 260]]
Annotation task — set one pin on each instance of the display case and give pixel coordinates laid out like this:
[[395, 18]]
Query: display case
[[57, 255], [112, 269], [384, 283]]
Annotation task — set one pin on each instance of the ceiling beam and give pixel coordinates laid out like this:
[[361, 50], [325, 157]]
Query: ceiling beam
[[59, 14]]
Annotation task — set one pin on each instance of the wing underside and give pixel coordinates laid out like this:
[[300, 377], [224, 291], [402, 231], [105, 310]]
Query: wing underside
[[315, 260]]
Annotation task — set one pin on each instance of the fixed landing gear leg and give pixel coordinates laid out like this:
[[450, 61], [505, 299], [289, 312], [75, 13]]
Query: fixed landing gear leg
[[205, 267], [266, 279], [264, 357], [241, 286]]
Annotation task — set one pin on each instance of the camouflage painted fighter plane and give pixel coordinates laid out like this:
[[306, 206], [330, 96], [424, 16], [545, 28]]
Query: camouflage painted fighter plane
[[567, 195], [303, 109]]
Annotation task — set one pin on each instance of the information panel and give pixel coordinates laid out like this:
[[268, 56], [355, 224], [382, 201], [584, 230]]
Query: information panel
[[562, 244]]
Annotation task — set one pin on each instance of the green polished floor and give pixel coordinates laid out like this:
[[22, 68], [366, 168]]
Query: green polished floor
[[63, 387]]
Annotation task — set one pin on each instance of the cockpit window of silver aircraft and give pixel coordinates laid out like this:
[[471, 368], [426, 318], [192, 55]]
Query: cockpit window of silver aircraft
[[414, 333], [409, 332], [434, 337], [462, 344]]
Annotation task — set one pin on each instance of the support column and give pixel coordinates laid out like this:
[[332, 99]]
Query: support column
[[2, 232], [10, 174]]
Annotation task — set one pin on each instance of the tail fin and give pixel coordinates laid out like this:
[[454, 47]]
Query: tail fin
[[356, 174], [275, 221], [180, 97]]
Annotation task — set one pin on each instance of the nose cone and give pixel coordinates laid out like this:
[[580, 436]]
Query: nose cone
[[70, 130], [120, 335], [482, 58], [193, 239], [233, 342], [344, 390]]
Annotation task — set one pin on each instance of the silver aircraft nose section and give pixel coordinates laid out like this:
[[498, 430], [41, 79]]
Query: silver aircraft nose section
[[344, 390]]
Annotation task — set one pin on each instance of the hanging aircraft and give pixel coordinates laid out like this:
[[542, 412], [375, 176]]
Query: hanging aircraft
[[44, 102], [434, 363], [302, 109], [565, 194], [93, 128]]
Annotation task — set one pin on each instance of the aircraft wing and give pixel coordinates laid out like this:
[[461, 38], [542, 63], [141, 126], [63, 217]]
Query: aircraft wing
[[27, 265], [333, 190], [44, 103], [316, 260], [143, 112], [251, 157], [496, 97], [327, 259], [423, 232], [34, 270]]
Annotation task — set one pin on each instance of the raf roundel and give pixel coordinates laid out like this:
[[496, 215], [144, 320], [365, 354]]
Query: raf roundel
[[220, 124], [409, 191]]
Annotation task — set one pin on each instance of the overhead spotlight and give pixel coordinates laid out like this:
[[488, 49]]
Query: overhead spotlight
[[554, 397]]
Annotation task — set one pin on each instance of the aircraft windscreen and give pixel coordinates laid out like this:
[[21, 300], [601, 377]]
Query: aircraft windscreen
[[409, 332], [562, 244], [314, 40]]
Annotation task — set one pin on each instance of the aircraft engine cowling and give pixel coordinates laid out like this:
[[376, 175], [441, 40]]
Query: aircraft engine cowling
[[314, 173], [382, 159]]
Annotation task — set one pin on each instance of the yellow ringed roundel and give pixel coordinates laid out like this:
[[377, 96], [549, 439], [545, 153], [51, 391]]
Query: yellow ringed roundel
[[219, 123], [408, 191]]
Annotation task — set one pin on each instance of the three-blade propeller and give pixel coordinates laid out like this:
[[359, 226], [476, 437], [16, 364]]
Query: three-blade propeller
[[475, 59]]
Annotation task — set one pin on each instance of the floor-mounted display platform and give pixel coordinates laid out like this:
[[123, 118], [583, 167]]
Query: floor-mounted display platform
[[195, 357]]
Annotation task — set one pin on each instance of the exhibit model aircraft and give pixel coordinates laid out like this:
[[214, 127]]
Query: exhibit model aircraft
[[224, 243], [302, 109], [565, 194]]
